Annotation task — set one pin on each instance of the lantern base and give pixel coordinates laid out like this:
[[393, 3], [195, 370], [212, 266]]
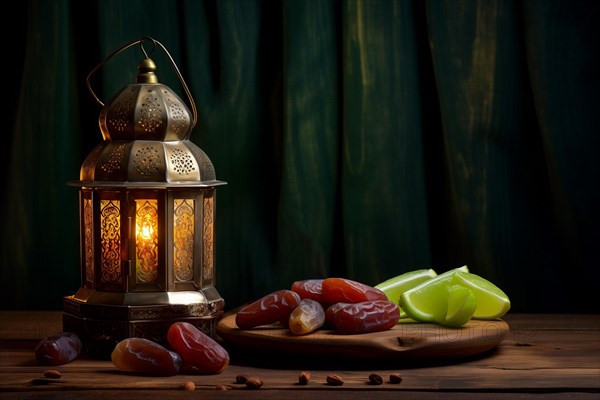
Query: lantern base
[[101, 326]]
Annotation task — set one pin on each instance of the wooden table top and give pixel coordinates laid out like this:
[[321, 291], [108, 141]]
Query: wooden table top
[[545, 356]]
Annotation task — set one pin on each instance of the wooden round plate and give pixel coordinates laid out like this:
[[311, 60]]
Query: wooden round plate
[[406, 339]]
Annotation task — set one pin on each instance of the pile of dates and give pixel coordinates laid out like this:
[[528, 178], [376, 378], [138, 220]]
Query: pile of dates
[[343, 305], [193, 351]]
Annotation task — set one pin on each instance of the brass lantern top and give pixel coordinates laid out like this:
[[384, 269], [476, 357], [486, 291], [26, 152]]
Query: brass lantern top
[[145, 129]]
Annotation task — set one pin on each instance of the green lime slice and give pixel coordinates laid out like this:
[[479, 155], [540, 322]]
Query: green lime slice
[[427, 302], [460, 307], [454, 297], [397, 285], [492, 302]]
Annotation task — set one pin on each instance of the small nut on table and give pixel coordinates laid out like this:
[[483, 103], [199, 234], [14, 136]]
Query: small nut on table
[[395, 378], [52, 374], [241, 378], [254, 383], [335, 380], [188, 386], [304, 378], [375, 379]]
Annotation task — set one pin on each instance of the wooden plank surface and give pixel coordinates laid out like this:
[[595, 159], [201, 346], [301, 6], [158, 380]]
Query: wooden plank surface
[[543, 356], [405, 340], [30, 324]]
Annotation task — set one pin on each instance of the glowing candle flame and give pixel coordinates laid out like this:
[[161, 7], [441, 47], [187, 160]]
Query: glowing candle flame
[[147, 232]]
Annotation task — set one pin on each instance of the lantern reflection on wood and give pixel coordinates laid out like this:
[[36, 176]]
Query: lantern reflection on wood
[[147, 211]]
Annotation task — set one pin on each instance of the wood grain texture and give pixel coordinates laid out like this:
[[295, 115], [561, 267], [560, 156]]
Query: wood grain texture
[[405, 340], [541, 357], [30, 324]]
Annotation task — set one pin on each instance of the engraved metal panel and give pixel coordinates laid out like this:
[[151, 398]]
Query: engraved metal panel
[[183, 239], [182, 162], [146, 162], [88, 168], [182, 166], [150, 113], [208, 236], [179, 116], [115, 160], [119, 116], [110, 241], [88, 239]]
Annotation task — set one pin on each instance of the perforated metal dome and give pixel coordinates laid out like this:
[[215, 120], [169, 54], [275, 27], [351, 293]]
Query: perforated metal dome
[[146, 129]]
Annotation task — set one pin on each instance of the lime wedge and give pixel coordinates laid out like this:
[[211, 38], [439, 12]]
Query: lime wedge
[[397, 285], [454, 297], [461, 306], [492, 302], [427, 302]]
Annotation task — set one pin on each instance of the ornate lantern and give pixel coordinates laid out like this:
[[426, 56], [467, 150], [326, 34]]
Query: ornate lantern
[[147, 216]]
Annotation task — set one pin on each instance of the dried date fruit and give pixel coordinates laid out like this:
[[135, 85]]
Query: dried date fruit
[[200, 353], [309, 289], [307, 317], [58, 349], [146, 357], [368, 316], [241, 378], [342, 290], [395, 378], [274, 307]]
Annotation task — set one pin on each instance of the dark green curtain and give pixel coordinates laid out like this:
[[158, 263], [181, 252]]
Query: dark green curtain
[[358, 138]]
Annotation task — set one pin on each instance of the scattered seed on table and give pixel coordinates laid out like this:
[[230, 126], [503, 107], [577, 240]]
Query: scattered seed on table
[[52, 374], [335, 380], [304, 378], [254, 383], [375, 379], [188, 386]]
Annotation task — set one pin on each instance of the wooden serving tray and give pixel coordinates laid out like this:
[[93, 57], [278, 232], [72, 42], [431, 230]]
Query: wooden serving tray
[[407, 339]]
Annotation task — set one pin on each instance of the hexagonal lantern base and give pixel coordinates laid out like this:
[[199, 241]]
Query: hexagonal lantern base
[[100, 327]]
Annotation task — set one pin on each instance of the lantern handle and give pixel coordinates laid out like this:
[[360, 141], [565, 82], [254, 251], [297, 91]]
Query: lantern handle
[[141, 43]]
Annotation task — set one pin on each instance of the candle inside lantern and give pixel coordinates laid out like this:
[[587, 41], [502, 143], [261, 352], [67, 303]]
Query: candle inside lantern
[[146, 241]]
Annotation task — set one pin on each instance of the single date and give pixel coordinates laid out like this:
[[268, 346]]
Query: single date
[[364, 317], [274, 307]]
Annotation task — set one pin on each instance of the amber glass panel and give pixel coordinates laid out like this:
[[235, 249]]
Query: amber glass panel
[[146, 240], [110, 237], [183, 239], [207, 237], [88, 239]]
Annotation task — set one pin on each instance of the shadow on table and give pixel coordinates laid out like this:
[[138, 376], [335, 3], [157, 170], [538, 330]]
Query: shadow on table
[[277, 360]]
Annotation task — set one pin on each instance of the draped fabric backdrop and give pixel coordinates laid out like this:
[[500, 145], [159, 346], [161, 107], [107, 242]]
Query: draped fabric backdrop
[[360, 139]]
